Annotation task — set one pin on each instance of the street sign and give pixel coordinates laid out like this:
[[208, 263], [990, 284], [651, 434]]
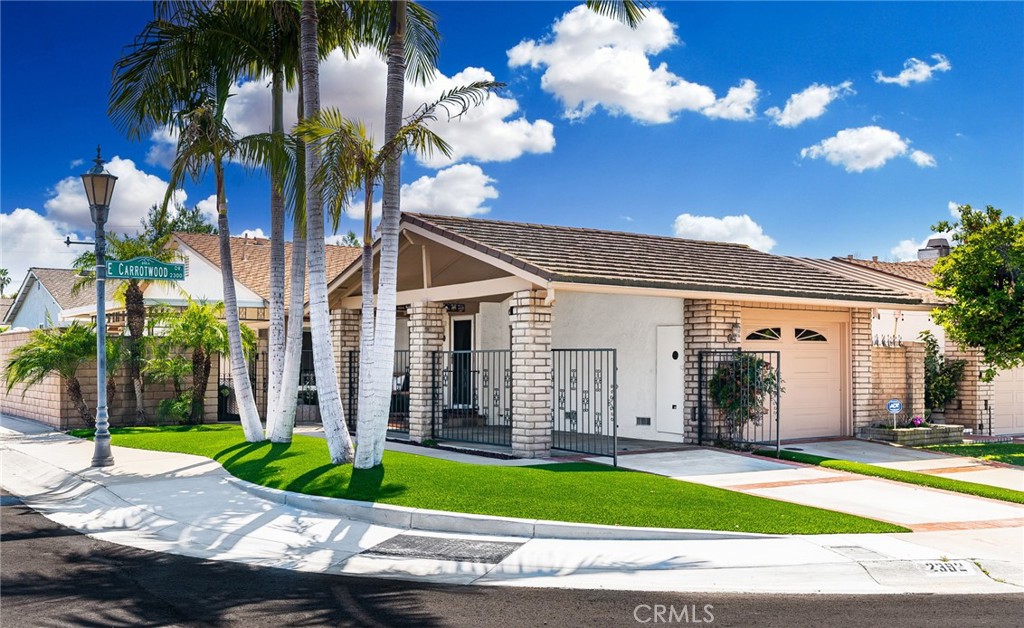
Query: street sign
[[145, 268], [894, 406]]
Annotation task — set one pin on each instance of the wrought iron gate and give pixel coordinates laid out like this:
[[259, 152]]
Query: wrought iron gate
[[472, 396], [738, 398], [583, 413], [398, 415]]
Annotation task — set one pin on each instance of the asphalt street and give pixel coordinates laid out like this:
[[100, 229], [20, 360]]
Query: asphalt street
[[53, 576]]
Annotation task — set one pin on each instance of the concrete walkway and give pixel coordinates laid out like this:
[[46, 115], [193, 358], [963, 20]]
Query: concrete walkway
[[190, 506], [918, 460], [918, 508]]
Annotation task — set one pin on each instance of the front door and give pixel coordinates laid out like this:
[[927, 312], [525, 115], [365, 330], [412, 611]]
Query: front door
[[670, 380], [462, 363]]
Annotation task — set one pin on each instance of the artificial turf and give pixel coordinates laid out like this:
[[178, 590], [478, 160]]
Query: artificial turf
[[576, 492], [910, 477], [1010, 453]]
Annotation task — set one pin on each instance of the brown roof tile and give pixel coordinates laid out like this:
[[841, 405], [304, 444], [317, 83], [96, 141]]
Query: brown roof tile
[[581, 255], [250, 259], [915, 270]]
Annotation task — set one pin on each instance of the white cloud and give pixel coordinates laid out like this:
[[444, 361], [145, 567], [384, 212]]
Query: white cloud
[[954, 209], [494, 131], [738, 229], [460, 190], [337, 239], [28, 239], [915, 71], [252, 233], [865, 148], [809, 104], [76, 163], [738, 104], [164, 145], [208, 208], [134, 193], [922, 159], [906, 250], [590, 60]]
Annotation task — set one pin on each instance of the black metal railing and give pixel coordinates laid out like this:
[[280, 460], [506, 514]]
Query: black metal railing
[[738, 398], [472, 396], [398, 414], [583, 413], [227, 404]]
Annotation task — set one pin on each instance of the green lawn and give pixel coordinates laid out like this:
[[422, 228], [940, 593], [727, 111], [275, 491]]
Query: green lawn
[[578, 492], [1010, 453], [910, 477]]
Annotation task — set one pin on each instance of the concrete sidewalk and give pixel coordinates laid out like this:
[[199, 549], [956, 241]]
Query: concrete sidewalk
[[190, 506], [919, 461]]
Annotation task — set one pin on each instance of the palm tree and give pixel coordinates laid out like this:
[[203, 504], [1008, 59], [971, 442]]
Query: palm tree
[[350, 163], [130, 294], [5, 280], [60, 350]]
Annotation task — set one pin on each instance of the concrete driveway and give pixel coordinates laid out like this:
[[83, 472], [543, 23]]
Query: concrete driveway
[[918, 508], [917, 460]]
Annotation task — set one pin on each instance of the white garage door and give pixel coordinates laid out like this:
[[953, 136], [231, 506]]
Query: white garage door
[[810, 363], [1008, 402]]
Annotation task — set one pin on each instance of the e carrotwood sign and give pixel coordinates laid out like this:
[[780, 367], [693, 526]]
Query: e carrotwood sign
[[145, 268]]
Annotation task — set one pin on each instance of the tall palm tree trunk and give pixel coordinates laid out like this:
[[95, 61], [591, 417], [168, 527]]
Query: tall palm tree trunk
[[339, 443], [135, 313], [384, 334], [283, 428], [239, 370], [276, 350], [367, 394]]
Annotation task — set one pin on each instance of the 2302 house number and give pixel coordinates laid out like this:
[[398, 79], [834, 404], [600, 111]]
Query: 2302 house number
[[947, 568]]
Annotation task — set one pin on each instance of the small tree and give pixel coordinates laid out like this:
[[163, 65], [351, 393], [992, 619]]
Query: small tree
[[983, 277], [5, 278], [742, 388], [941, 376]]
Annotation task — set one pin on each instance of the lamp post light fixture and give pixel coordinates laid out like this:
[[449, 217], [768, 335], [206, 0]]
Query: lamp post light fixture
[[99, 187]]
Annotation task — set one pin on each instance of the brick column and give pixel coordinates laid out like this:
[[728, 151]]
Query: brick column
[[970, 406], [708, 324], [531, 374], [345, 338], [426, 334], [860, 358], [915, 377]]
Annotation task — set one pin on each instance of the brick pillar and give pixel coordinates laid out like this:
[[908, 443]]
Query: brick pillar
[[860, 353], [531, 374], [426, 335], [915, 377], [708, 324], [345, 339], [970, 406]]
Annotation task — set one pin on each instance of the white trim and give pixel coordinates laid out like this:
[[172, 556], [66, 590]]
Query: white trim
[[453, 292], [479, 255]]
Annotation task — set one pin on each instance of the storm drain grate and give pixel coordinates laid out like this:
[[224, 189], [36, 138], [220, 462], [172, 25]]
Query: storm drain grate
[[440, 548]]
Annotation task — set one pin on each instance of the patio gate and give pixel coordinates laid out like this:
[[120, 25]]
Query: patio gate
[[472, 396], [227, 405], [398, 415], [584, 385], [738, 398]]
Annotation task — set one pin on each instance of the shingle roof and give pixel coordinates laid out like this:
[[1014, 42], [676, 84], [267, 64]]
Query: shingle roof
[[916, 270], [580, 255], [5, 305], [60, 282], [250, 259]]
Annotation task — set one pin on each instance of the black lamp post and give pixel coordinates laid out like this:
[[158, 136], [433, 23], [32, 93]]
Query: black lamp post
[[99, 187]]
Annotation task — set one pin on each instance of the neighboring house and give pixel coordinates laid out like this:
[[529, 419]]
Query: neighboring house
[[48, 294], [1002, 401], [528, 305], [5, 306]]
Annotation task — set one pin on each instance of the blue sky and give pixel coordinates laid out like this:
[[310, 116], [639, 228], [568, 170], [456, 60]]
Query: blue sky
[[800, 128]]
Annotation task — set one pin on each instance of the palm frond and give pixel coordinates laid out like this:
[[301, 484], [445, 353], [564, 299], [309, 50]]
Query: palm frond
[[629, 12]]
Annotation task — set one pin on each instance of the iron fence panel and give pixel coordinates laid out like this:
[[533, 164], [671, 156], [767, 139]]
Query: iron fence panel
[[583, 391]]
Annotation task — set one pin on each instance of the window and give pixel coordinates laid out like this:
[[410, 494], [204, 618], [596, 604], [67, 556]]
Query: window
[[768, 333], [809, 335]]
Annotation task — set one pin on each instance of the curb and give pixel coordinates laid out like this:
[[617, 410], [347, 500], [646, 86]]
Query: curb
[[425, 520]]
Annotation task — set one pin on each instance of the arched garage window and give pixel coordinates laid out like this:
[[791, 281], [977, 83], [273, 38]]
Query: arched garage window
[[809, 335], [768, 333]]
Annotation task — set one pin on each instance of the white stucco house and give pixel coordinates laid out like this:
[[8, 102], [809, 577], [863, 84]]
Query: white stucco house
[[47, 298], [546, 335]]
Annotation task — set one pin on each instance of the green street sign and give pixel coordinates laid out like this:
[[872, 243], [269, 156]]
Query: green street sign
[[145, 268]]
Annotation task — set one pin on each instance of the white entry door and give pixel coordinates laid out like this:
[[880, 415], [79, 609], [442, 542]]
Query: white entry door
[[670, 416]]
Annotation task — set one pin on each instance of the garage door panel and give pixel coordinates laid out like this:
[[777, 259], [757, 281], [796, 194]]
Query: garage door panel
[[1008, 402]]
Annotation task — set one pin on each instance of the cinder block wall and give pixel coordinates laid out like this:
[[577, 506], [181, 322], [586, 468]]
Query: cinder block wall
[[898, 373]]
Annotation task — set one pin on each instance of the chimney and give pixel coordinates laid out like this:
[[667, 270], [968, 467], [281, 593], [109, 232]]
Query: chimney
[[936, 248], [874, 258]]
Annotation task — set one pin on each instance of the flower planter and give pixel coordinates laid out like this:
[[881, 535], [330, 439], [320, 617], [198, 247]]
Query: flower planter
[[915, 436]]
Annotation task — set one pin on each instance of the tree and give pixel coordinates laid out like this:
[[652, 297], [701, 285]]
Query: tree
[[339, 443], [941, 376], [184, 220], [983, 279], [60, 350], [130, 294], [352, 163], [5, 280]]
